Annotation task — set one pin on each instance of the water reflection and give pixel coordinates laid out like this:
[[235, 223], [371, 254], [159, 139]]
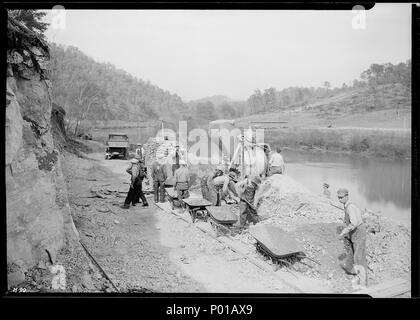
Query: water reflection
[[377, 184]]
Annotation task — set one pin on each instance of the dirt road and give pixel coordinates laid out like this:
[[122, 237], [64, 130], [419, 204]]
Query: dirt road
[[148, 248]]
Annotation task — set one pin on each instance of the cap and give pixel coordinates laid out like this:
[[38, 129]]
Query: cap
[[134, 161], [232, 175], [256, 180], [342, 192], [220, 168], [139, 144], [326, 185]]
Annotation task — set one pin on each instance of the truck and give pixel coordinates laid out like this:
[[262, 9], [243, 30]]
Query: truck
[[117, 146]]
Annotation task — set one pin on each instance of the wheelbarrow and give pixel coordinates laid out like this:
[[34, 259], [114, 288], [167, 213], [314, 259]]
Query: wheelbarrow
[[172, 197], [278, 246], [197, 208], [223, 219]]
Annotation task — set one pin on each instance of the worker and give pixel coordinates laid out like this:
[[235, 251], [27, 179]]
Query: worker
[[225, 187], [139, 184], [182, 182], [276, 163], [207, 187], [211, 192], [354, 234], [175, 166], [326, 191], [159, 177], [267, 151], [139, 190], [140, 154], [136, 179], [247, 192], [133, 162], [235, 170]]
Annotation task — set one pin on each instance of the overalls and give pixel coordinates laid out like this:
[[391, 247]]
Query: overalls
[[356, 246], [246, 213]]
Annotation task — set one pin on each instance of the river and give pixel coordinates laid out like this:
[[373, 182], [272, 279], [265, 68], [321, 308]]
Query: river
[[376, 184]]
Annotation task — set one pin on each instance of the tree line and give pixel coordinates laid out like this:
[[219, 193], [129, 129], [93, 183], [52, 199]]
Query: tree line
[[373, 79], [99, 91]]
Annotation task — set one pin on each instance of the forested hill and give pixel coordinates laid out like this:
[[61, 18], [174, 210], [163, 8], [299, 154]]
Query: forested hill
[[98, 91]]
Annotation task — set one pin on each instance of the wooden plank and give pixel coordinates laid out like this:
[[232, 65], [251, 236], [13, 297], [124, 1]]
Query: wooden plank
[[387, 289]]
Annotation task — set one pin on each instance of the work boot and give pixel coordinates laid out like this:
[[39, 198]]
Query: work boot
[[125, 206], [134, 204], [145, 204]]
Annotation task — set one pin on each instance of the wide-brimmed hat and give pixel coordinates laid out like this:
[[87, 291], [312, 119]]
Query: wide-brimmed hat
[[134, 160], [220, 168]]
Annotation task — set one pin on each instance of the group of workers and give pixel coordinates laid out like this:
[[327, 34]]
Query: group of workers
[[220, 186]]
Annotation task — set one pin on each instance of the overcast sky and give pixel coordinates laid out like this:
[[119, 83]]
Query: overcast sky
[[200, 53]]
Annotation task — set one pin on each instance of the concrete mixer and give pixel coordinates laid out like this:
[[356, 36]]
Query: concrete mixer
[[250, 157]]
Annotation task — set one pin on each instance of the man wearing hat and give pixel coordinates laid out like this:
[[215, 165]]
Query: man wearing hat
[[176, 164], [140, 152], [137, 174], [159, 177], [246, 189], [208, 189], [225, 187], [182, 181], [354, 233], [139, 183]]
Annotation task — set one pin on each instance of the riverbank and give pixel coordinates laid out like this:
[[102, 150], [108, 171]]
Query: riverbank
[[364, 142]]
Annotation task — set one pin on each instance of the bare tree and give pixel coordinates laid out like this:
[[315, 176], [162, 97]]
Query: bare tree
[[88, 94]]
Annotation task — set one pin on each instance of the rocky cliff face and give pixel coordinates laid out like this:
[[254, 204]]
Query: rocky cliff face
[[37, 210]]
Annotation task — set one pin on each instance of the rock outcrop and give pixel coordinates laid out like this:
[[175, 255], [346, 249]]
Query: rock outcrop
[[36, 197]]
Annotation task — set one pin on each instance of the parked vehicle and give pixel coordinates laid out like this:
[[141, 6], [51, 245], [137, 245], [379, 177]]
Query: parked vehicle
[[117, 146]]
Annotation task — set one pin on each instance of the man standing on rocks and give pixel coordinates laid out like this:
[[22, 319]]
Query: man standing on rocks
[[354, 233], [246, 190], [182, 182], [159, 177]]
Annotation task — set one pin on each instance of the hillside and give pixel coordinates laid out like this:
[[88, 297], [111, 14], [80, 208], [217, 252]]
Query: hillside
[[216, 100], [89, 90], [389, 106]]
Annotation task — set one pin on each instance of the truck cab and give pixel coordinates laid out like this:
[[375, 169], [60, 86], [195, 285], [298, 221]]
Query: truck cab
[[117, 146]]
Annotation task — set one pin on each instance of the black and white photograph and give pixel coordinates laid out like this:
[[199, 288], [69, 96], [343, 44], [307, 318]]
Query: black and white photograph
[[152, 151]]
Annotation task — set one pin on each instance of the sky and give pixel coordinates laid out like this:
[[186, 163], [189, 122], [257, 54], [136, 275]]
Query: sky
[[201, 53]]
